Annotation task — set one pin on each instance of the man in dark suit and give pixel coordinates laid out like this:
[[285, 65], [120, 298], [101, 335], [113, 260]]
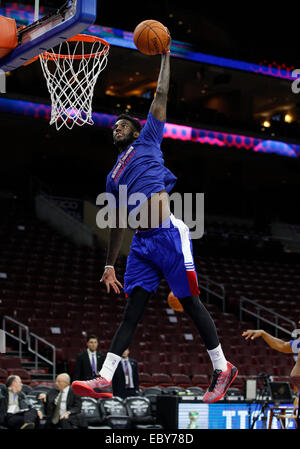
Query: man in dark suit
[[125, 382], [63, 406], [89, 362], [15, 412]]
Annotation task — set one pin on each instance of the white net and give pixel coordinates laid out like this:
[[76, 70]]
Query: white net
[[71, 71]]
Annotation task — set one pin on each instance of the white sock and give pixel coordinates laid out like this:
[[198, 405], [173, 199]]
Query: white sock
[[109, 366], [217, 358]]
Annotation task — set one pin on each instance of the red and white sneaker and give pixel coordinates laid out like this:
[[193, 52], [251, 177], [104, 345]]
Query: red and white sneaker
[[87, 387], [221, 381]]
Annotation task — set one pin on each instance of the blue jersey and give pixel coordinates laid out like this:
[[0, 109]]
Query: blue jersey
[[141, 166], [295, 346]]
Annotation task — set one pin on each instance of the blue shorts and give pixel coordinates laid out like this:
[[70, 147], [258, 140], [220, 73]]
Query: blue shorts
[[166, 252]]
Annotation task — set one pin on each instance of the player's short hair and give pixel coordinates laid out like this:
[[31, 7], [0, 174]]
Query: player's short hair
[[136, 124]]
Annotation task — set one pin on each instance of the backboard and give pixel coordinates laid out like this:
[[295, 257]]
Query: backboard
[[73, 17]]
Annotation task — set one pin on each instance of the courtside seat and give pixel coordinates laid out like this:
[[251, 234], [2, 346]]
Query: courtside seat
[[155, 390], [38, 388], [139, 409], [34, 402], [197, 391], [114, 413], [26, 389], [91, 410]]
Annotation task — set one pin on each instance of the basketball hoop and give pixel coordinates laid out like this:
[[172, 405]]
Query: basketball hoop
[[71, 70]]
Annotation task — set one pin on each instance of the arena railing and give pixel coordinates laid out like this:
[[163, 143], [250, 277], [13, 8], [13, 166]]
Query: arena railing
[[32, 347], [207, 284], [259, 308], [37, 355], [21, 328]]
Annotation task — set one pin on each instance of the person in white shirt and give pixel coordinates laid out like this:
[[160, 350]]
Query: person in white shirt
[[63, 406]]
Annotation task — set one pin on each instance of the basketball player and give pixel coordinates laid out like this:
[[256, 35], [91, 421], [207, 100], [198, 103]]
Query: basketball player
[[287, 347], [157, 251]]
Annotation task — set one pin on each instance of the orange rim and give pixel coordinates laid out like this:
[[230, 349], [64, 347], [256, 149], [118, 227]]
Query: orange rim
[[79, 38]]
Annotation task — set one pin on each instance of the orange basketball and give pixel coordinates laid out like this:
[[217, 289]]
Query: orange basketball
[[151, 37], [174, 303]]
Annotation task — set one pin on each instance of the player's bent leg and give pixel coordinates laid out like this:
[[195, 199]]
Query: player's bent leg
[[134, 310], [202, 319], [224, 372]]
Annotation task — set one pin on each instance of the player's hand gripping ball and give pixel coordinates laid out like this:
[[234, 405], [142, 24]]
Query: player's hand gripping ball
[[151, 37]]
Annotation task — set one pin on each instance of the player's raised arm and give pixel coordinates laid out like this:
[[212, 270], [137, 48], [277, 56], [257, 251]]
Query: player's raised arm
[[159, 104], [273, 342]]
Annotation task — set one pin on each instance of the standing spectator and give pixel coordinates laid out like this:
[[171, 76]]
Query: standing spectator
[[126, 378], [15, 412], [63, 406], [89, 362]]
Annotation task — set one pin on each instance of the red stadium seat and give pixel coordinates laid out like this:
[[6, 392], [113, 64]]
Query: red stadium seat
[[248, 370], [184, 368], [3, 375], [145, 379], [200, 380], [25, 376], [152, 367], [161, 379], [200, 368], [182, 380], [10, 362], [168, 367]]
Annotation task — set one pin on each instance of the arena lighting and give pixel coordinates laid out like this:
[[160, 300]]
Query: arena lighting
[[171, 130], [288, 118], [24, 15], [266, 124]]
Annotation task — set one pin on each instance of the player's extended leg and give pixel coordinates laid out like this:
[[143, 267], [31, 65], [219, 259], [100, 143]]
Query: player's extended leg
[[179, 270], [224, 372], [134, 310]]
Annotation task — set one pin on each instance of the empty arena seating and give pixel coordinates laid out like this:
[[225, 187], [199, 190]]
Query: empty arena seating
[[52, 286]]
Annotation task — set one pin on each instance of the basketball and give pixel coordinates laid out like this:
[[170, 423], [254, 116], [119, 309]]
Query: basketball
[[174, 303], [151, 37]]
